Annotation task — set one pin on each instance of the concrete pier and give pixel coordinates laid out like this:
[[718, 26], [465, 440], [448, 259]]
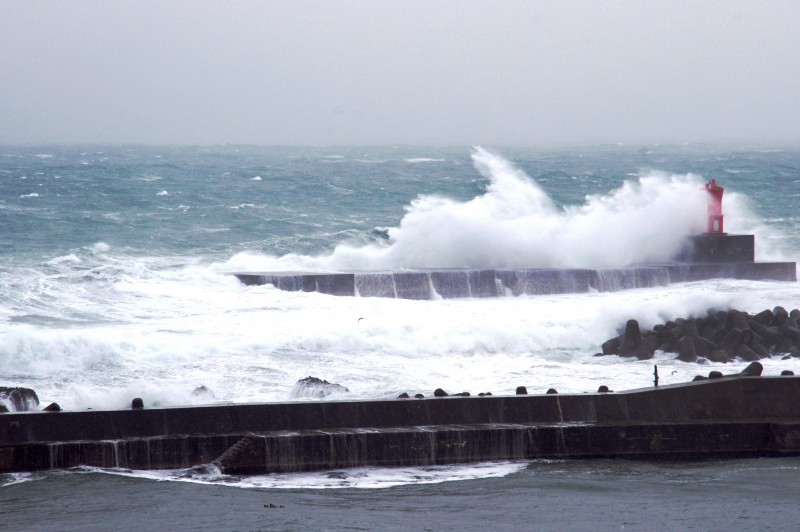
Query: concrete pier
[[705, 256], [447, 284], [731, 416]]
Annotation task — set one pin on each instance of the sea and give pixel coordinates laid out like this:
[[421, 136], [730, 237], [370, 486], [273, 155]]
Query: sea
[[116, 282]]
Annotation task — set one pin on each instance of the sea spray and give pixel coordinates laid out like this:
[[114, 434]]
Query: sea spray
[[515, 224], [111, 292]]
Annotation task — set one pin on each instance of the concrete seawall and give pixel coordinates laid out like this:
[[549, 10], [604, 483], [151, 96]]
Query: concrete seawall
[[449, 284], [732, 416], [705, 256]]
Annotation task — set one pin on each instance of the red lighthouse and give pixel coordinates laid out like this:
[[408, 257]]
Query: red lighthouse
[[714, 207]]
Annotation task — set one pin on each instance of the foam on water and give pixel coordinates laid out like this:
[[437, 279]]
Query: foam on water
[[356, 478], [159, 332], [95, 326], [17, 478]]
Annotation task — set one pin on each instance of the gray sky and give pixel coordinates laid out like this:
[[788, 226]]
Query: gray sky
[[415, 72]]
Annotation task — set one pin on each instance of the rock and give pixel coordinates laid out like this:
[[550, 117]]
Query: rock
[[769, 334], [611, 346], [720, 337], [19, 399], [715, 374], [686, 351], [690, 329], [419, 396], [784, 346], [754, 369], [698, 378], [315, 387], [663, 333], [761, 351], [731, 340], [203, 392], [738, 320], [719, 355], [703, 346], [708, 333], [764, 318], [747, 338], [779, 316], [438, 392], [603, 389], [403, 395], [551, 391], [52, 407], [647, 348], [787, 372], [745, 353], [631, 339], [521, 390], [789, 332], [137, 404]]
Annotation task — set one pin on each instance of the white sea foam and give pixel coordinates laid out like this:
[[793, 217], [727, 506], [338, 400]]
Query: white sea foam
[[423, 160], [93, 327], [355, 478], [514, 224], [16, 478], [159, 333]]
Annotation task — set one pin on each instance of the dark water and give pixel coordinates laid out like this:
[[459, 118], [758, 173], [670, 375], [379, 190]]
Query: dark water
[[758, 494]]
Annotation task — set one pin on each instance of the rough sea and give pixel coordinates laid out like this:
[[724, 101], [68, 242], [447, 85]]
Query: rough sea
[[116, 282]]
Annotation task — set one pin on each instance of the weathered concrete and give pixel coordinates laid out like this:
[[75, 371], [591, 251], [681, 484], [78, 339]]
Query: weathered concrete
[[730, 416], [706, 256], [719, 336], [450, 284], [719, 247]]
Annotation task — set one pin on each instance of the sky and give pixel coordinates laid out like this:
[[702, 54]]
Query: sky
[[366, 72]]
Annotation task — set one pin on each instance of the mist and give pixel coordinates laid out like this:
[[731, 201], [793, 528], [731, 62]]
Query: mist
[[472, 72]]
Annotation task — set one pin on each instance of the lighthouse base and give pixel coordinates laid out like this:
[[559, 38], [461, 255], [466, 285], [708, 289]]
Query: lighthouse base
[[719, 247]]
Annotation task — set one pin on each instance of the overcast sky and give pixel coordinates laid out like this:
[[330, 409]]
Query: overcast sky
[[412, 72]]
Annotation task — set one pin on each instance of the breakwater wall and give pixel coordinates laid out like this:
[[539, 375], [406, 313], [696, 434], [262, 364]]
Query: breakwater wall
[[731, 416], [447, 284]]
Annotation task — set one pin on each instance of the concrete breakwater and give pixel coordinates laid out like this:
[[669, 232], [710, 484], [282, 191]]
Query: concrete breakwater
[[731, 416], [454, 283], [705, 256], [720, 336]]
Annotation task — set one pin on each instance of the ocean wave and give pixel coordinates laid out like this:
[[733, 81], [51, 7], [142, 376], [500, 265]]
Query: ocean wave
[[354, 478]]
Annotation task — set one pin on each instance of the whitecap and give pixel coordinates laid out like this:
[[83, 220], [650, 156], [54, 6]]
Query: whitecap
[[16, 478], [355, 478]]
